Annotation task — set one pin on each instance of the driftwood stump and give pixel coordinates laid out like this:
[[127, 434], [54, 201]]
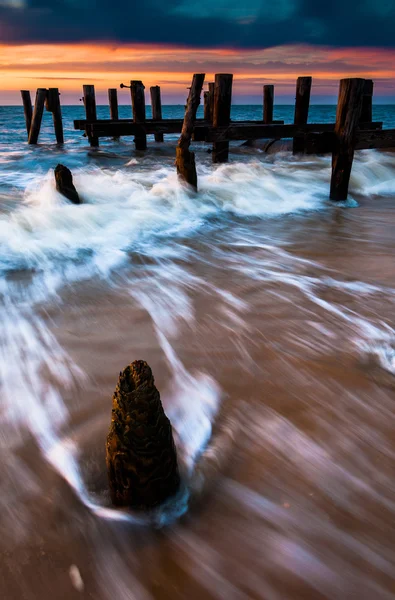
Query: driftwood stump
[[140, 452], [65, 185]]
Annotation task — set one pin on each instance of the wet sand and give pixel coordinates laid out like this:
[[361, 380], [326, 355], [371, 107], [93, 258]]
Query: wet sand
[[293, 319]]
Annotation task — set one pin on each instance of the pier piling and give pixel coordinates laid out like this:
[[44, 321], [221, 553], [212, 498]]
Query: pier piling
[[113, 104], [37, 115], [140, 451], [138, 105], [27, 109], [367, 102], [53, 106], [268, 102], [90, 110], [185, 160], [302, 103], [221, 115], [348, 114], [156, 106]]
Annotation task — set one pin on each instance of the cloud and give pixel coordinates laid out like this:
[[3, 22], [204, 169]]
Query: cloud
[[209, 23]]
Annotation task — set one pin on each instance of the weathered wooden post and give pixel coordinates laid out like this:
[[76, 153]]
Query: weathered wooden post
[[221, 115], [27, 109], [302, 103], [53, 106], [113, 104], [90, 110], [138, 105], [268, 101], [65, 185], [348, 114], [37, 115], [367, 102], [207, 112], [185, 160], [156, 105], [211, 86], [140, 452]]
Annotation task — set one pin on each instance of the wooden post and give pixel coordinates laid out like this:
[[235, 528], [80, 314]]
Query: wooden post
[[268, 101], [37, 115], [53, 106], [367, 102], [156, 105], [221, 116], [302, 102], [348, 114], [138, 106], [141, 455], [90, 109], [113, 103], [185, 160], [27, 109], [207, 114], [211, 86]]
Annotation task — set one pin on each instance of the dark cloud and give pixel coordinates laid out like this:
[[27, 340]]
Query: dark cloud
[[208, 23]]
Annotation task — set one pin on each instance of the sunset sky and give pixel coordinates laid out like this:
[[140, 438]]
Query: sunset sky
[[65, 43]]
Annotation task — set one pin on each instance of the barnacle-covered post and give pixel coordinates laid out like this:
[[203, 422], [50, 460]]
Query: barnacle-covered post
[[140, 452]]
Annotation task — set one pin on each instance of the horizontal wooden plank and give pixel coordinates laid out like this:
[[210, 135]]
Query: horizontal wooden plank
[[236, 131], [322, 143], [81, 123], [375, 139]]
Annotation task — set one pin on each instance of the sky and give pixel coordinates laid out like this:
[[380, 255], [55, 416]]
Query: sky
[[65, 43]]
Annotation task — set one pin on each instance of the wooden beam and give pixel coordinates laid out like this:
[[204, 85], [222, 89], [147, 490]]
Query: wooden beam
[[185, 160], [37, 115], [348, 113], [27, 109], [367, 102], [53, 106], [302, 103], [138, 105], [221, 116], [156, 105], [366, 137], [90, 110], [268, 102]]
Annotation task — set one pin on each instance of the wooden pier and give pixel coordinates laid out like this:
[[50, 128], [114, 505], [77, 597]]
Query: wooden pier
[[353, 129]]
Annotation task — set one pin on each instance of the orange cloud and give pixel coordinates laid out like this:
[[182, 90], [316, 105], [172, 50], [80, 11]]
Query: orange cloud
[[68, 66]]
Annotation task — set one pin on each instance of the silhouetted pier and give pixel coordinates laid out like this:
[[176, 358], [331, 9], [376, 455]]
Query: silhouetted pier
[[353, 129]]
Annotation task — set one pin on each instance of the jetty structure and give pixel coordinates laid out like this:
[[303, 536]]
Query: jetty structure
[[353, 129]]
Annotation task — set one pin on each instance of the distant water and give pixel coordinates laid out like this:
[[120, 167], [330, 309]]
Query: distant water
[[264, 310]]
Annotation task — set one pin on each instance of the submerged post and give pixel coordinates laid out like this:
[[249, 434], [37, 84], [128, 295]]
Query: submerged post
[[90, 110], [53, 106], [138, 105], [27, 109], [268, 102], [302, 103], [185, 160], [348, 114], [156, 105], [367, 102], [140, 452], [37, 115], [221, 116]]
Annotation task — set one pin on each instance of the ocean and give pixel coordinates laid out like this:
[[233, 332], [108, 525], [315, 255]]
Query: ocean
[[267, 315]]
